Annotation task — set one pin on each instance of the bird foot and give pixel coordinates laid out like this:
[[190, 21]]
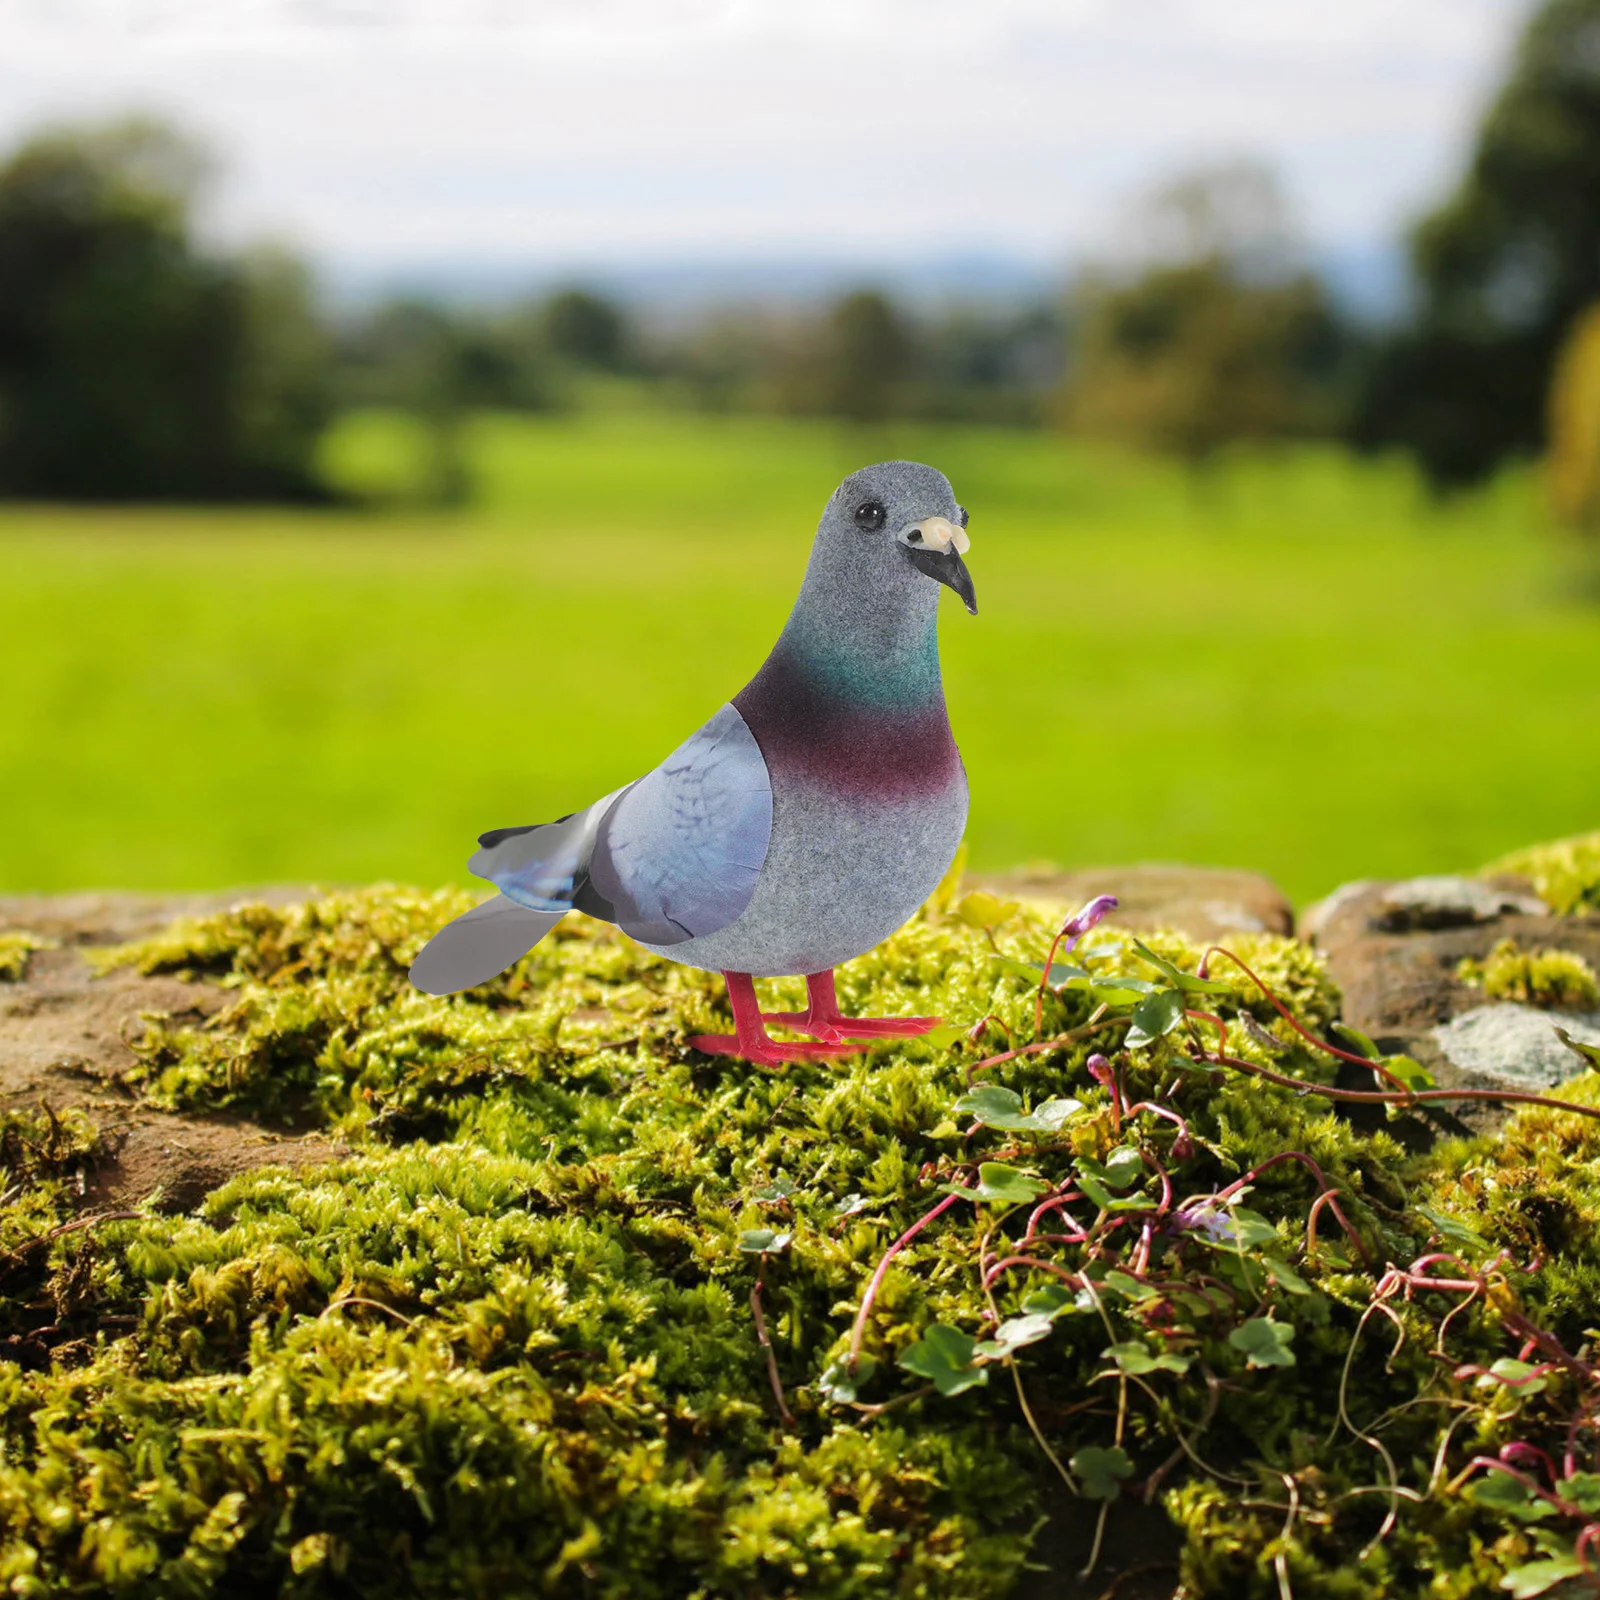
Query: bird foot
[[832, 1028], [763, 1052]]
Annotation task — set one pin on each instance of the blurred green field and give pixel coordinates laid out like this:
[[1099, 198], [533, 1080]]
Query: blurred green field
[[1299, 665]]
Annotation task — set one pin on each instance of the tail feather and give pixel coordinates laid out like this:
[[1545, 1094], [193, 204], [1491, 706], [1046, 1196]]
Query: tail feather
[[479, 945], [544, 867]]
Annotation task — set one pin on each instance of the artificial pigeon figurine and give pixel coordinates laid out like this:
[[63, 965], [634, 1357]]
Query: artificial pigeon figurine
[[803, 824]]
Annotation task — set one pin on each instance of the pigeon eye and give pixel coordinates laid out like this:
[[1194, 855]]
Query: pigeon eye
[[870, 516], [963, 511]]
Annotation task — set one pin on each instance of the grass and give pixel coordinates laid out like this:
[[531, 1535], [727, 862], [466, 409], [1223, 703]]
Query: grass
[[1300, 665]]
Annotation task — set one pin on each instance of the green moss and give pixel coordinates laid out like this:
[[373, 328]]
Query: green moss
[[1561, 979], [510, 1345], [15, 948], [1565, 874]]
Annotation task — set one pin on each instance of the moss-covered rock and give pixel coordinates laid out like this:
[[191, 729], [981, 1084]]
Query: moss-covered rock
[[589, 1314], [1566, 873], [1561, 979]]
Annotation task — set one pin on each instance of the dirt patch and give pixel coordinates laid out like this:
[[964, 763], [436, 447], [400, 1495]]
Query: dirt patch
[[64, 1043]]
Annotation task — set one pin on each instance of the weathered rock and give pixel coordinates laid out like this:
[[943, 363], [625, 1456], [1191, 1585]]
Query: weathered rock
[[1203, 902], [1395, 950], [1516, 1045], [1415, 904], [63, 1042]]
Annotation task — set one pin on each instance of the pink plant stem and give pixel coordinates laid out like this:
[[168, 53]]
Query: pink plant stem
[[858, 1332], [766, 1346], [1160, 1111], [1060, 1042], [1044, 1208], [1409, 1097], [1330, 1199], [1289, 1017], [1141, 1256], [1070, 1278], [1255, 1172]]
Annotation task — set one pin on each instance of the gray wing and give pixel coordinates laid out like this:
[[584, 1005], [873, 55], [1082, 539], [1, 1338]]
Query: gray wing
[[544, 867], [479, 944], [678, 855]]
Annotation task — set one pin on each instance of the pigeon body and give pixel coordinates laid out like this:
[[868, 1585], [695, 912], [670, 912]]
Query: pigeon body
[[810, 817]]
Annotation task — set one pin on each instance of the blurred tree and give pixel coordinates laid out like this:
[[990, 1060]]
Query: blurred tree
[[866, 352], [130, 365], [1574, 460], [1214, 335], [590, 332], [1504, 267], [852, 363]]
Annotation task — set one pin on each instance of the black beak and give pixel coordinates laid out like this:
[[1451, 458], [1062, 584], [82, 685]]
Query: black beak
[[948, 568]]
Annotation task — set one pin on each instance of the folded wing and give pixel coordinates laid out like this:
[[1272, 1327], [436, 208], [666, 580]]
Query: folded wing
[[679, 853], [668, 858]]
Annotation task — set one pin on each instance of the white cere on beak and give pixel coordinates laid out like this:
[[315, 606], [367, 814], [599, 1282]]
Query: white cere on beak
[[936, 533]]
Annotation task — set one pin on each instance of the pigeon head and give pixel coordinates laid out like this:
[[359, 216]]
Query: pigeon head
[[891, 527]]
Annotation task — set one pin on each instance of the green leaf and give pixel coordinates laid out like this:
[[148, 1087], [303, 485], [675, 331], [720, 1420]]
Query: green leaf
[[1061, 973], [1095, 1190], [1285, 1276], [1122, 1167], [778, 1189], [1518, 1376], [1188, 982], [1503, 1493], [997, 1107], [1157, 1014], [1265, 1343], [1051, 1116], [945, 1356], [1054, 1299], [1358, 1041], [1006, 1185], [1136, 1358], [1101, 1471], [763, 1241], [1499, 1490], [1015, 1332], [839, 1385], [1589, 1052], [1538, 1577], [1251, 1229], [1410, 1072], [850, 1206], [981, 909], [1121, 991], [1583, 1490], [1452, 1228], [1129, 1287]]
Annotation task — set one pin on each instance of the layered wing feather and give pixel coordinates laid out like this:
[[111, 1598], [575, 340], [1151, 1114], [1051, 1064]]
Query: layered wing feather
[[678, 854]]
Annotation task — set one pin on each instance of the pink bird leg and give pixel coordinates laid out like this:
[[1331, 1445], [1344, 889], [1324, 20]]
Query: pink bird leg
[[749, 1041], [824, 1019]]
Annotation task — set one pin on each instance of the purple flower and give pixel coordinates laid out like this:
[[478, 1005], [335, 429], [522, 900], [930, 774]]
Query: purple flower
[[1215, 1225], [1100, 1070], [1074, 928]]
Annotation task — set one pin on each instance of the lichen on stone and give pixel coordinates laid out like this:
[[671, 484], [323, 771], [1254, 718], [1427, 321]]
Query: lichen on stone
[[1558, 979], [1565, 873]]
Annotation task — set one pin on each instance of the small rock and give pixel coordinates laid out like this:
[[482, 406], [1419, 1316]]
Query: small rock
[[1416, 905], [1427, 903], [1516, 1045]]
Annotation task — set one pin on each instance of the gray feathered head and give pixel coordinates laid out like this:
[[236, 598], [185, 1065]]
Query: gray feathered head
[[896, 525]]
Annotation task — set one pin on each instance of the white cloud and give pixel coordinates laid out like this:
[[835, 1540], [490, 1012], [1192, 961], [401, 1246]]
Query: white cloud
[[618, 130]]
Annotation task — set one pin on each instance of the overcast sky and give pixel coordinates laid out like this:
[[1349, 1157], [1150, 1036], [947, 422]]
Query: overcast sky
[[381, 133]]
